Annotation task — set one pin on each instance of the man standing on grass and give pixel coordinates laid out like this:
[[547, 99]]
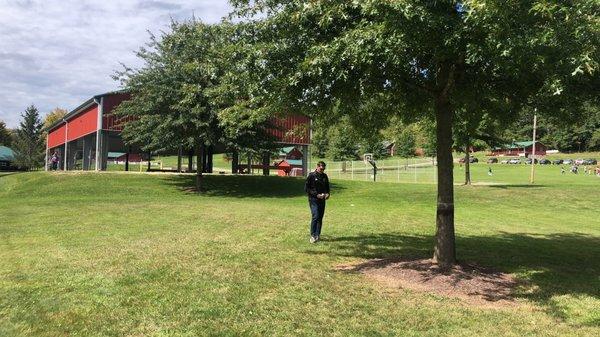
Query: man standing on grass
[[317, 188]]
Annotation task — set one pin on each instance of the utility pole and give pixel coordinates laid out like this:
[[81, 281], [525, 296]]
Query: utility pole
[[532, 178]]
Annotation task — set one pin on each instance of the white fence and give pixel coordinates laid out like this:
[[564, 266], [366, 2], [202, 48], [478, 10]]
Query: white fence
[[411, 170]]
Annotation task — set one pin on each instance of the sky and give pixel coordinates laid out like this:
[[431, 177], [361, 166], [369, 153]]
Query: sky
[[59, 53]]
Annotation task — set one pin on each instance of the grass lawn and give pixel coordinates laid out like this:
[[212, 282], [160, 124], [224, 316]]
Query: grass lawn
[[117, 254]]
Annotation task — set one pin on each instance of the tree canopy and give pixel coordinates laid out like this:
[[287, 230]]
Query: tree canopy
[[175, 96], [424, 59]]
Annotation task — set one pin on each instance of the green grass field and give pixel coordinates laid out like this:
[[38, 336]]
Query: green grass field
[[117, 254]]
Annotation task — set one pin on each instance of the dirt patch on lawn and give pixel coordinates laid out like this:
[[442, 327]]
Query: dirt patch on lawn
[[473, 284]]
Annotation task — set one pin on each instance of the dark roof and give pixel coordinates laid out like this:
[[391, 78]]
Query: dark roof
[[286, 150], [83, 106], [517, 145], [387, 143]]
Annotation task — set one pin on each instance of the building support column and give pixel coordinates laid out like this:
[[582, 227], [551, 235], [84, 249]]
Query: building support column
[[127, 158], [98, 159], [179, 153], [203, 160], [46, 157], [66, 156], [249, 165], [99, 150], [235, 162], [305, 160], [191, 160], [83, 160], [209, 161], [87, 153], [103, 150], [266, 158]]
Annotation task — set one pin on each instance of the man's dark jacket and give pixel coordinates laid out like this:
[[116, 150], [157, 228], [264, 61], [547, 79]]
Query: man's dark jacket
[[316, 183]]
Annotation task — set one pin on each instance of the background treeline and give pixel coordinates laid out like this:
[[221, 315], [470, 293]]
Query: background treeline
[[342, 140], [28, 141]]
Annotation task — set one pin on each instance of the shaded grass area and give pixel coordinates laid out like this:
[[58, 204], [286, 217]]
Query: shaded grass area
[[132, 254]]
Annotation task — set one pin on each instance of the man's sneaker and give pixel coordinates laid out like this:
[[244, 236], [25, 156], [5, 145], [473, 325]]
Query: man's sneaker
[[318, 238], [313, 239]]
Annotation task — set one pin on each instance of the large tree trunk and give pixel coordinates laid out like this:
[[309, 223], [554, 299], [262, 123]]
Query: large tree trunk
[[444, 253], [199, 168], [467, 163]]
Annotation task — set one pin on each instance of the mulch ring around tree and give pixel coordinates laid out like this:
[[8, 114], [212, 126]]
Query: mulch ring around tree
[[472, 284]]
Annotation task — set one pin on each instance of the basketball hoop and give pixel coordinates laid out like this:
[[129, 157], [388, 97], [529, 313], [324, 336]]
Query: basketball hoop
[[367, 158]]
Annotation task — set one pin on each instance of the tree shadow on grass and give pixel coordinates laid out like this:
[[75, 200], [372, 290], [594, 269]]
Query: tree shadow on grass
[[239, 186], [508, 186], [7, 173], [547, 266]]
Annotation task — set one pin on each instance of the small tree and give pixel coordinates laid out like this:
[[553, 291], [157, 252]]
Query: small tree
[[373, 144], [29, 143], [406, 142], [342, 142]]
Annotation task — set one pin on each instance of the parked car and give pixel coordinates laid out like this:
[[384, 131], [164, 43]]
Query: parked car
[[578, 161], [568, 162], [505, 161], [492, 160], [471, 160], [590, 161], [557, 161], [528, 161], [514, 161], [545, 162]]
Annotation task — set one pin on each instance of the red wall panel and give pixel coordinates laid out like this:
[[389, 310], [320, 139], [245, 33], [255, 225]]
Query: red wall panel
[[56, 137], [83, 124], [293, 129]]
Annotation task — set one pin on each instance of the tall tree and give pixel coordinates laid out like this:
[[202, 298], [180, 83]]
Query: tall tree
[[175, 99], [423, 58], [168, 106], [5, 135], [29, 143]]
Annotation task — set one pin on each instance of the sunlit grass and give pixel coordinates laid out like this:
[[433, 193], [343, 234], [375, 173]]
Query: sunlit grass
[[133, 254]]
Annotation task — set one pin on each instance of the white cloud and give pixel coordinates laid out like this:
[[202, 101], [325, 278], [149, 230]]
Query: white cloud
[[57, 53]]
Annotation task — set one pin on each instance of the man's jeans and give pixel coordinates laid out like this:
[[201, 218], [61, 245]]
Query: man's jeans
[[317, 209]]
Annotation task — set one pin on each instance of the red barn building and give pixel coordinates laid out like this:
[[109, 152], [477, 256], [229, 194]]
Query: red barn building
[[520, 149], [85, 136]]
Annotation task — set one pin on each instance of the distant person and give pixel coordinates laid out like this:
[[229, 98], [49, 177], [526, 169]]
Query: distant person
[[317, 188], [490, 171], [54, 161], [574, 169], [562, 170]]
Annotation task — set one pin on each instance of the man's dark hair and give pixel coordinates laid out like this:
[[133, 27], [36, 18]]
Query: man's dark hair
[[321, 163]]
